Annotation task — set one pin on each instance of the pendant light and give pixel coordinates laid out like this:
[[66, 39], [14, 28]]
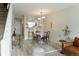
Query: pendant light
[[42, 16]]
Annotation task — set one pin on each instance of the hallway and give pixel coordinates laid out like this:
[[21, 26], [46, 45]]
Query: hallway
[[31, 29]]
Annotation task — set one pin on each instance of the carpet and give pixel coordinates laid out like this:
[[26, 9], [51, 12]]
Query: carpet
[[56, 53]]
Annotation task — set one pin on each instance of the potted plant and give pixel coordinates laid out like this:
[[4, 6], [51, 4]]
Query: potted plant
[[66, 32]]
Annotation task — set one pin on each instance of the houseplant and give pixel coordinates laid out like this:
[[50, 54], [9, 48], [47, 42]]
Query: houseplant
[[66, 32]]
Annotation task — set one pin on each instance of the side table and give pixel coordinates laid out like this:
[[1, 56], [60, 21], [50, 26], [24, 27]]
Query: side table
[[62, 41]]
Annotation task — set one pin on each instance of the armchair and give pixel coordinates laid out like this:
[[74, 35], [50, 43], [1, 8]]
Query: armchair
[[71, 48]]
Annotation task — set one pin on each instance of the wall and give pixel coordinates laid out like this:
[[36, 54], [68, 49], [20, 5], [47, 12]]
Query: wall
[[18, 26], [25, 29], [68, 16], [6, 42]]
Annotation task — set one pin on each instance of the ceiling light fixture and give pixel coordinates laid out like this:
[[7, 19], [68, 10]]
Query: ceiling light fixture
[[41, 17]]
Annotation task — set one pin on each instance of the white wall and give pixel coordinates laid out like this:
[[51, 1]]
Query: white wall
[[25, 29], [68, 16], [18, 26], [6, 42]]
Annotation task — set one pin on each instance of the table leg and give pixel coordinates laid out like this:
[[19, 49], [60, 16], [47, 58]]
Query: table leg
[[62, 49]]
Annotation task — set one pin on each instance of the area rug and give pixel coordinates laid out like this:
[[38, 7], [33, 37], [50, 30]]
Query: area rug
[[56, 53]]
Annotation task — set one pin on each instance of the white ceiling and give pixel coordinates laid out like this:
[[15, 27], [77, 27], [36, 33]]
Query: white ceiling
[[34, 9]]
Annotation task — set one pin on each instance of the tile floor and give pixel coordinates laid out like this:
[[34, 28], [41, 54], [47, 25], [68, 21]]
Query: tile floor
[[34, 49]]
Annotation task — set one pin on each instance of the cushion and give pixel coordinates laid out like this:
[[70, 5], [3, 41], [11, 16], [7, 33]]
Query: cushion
[[76, 42], [72, 49]]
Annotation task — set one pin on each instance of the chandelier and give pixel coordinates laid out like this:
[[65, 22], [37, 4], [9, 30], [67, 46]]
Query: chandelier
[[41, 16]]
